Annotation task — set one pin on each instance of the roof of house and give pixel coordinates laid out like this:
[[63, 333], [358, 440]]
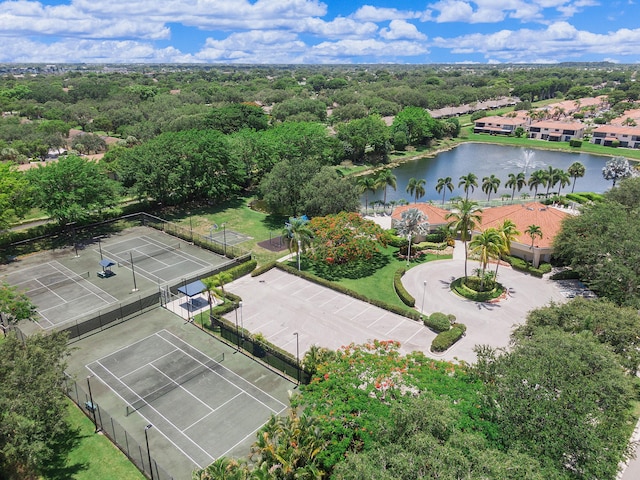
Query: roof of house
[[435, 215], [501, 120], [558, 125], [549, 220], [617, 129]]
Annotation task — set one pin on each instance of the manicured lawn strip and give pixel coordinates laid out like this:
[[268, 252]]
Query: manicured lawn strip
[[95, 457]]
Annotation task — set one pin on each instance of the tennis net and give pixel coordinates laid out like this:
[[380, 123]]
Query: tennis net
[[173, 384], [139, 256]]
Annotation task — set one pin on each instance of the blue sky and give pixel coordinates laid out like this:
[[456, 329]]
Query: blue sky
[[319, 32]]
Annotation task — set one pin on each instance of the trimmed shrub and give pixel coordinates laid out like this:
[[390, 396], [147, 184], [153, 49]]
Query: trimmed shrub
[[461, 289], [445, 340], [397, 242], [438, 322], [575, 143], [594, 197], [434, 237], [405, 296], [263, 269], [577, 197], [242, 269], [565, 275], [524, 266]]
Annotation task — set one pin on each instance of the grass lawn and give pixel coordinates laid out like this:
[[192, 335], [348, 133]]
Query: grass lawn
[[373, 279], [94, 457]]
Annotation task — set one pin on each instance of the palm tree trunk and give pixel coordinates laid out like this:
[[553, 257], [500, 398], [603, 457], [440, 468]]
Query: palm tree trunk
[[465, 260]]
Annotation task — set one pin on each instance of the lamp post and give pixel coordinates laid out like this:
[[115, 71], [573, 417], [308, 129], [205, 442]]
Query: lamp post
[[133, 272], [237, 330], [297, 355], [93, 405], [241, 321], [424, 290], [190, 226], [299, 248], [224, 238], [146, 437], [409, 249]]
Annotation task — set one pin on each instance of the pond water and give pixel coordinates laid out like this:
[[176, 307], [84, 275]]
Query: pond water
[[484, 160]]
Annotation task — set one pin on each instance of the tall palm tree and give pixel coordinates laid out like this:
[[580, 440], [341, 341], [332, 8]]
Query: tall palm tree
[[490, 185], [537, 178], [444, 183], [384, 179], [516, 181], [366, 184], [299, 235], [416, 189], [468, 181], [551, 176], [534, 231], [412, 222], [465, 218], [508, 232], [563, 179], [576, 170], [486, 245]]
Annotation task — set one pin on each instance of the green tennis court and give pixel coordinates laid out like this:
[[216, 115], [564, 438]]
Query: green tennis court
[[199, 405]]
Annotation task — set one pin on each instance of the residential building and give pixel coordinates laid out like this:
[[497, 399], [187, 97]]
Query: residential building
[[606, 135], [495, 125], [556, 131]]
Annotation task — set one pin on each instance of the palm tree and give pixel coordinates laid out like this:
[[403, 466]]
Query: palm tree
[[464, 219], [366, 184], [210, 283], [468, 181], [299, 235], [508, 232], [516, 181], [384, 179], [534, 231], [563, 179], [486, 245], [416, 188], [551, 176], [412, 222], [576, 170], [490, 185], [442, 184], [537, 178]]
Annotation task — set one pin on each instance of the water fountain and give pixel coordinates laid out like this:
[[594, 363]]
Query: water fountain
[[526, 163]]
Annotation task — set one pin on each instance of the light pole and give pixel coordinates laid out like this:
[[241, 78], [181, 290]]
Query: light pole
[[224, 238], [299, 248], [297, 355], [237, 330], [424, 290], [93, 405], [409, 249], [190, 226], [146, 437], [241, 321]]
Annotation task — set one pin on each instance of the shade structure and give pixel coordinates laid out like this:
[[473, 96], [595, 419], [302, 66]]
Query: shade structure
[[106, 263], [193, 288]]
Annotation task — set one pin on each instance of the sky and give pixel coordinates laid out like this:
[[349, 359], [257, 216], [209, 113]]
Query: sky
[[319, 32]]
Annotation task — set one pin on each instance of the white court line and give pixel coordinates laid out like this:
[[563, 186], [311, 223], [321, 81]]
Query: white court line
[[139, 270], [65, 302], [82, 281], [148, 363], [169, 266], [225, 368], [180, 387], [186, 255], [146, 419], [213, 410], [124, 348]]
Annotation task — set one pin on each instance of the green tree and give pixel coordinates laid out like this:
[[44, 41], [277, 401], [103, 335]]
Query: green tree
[[415, 188], [345, 237], [516, 182], [412, 222], [536, 179], [15, 194], [563, 398], [367, 139], [464, 219], [551, 178], [418, 125], [533, 231], [443, 184], [563, 179], [468, 182], [327, 192], [34, 434], [385, 178], [235, 117], [616, 169], [72, 188], [508, 233], [15, 306], [490, 185], [576, 170], [282, 187], [300, 235], [366, 184], [486, 245]]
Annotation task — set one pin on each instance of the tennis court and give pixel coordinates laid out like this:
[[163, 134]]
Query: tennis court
[[194, 401], [228, 237], [60, 294], [155, 260]]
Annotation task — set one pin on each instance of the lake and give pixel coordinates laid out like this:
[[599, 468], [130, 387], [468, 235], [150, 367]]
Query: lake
[[486, 159]]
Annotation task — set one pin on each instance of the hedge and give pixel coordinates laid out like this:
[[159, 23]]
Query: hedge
[[438, 322], [263, 269], [524, 266], [445, 340], [242, 269], [412, 314], [575, 143], [405, 296], [565, 275], [458, 287]]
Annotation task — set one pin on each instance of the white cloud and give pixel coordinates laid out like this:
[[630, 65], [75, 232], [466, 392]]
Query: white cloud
[[559, 41], [339, 27], [254, 47], [368, 13], [401, 29], [348, 48]]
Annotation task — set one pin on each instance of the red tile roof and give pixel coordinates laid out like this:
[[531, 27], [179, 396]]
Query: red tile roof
[[435, 215]]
